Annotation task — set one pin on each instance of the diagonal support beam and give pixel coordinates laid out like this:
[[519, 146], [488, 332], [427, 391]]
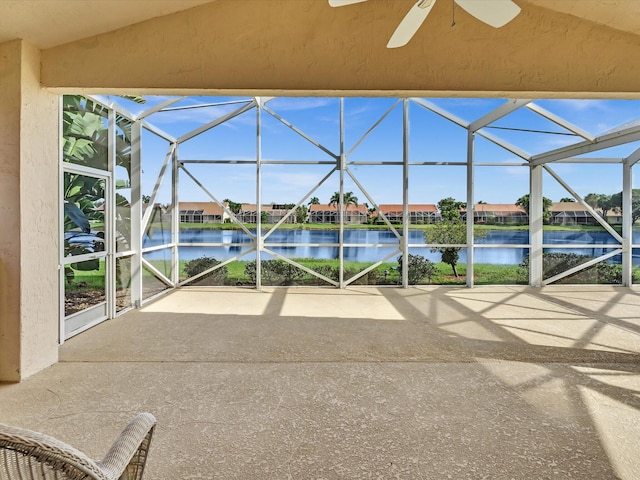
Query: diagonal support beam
[[217, 121], [506, 145], [299, 132], [152, 201], [595, 215], [612, 139], [439, 111], [292, 210], [222, 205], [502, 111], [582, 266], [373, 127], [560, 121], [375, 205], [159, 107]]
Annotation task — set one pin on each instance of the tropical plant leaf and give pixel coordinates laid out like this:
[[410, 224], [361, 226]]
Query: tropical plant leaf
[[76, 215]]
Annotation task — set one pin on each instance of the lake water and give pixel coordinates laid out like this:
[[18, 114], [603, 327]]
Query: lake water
[[293, 249]]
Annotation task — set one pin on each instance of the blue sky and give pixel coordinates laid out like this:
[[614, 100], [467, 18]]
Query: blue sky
[[431, 139]]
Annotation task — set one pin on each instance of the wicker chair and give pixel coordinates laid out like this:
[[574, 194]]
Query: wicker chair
[[27, 455]]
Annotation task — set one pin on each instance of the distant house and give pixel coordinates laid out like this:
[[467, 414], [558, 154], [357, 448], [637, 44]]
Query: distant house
[[614, 216], [329, 214], [249, 213], [419, 214], [499, 213], [202, 212], [571, 213]]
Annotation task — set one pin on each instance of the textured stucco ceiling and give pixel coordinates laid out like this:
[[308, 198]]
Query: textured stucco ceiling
[[48, 23], [622, 15]]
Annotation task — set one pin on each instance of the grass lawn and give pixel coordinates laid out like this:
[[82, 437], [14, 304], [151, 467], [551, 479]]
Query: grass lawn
[[484, 274]]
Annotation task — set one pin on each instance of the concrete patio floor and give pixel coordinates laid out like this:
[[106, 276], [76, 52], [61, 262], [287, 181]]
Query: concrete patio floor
[[422, 383]]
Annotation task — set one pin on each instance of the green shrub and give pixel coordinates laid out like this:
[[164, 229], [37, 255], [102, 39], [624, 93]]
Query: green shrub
[[201, 264], [328, 271], [419, 269], [556, 263], [370, 278], [274, 272]]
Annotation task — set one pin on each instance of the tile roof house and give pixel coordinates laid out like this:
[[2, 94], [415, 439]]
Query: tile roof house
[[202, 212], [499, 213], [274, 212], [571, 213], [418, 213], [324, 213]]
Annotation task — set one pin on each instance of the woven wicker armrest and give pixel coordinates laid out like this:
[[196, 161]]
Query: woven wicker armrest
[[25, 454], [128, 455]]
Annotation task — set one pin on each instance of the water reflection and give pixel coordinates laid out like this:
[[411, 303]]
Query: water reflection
[[293, 249]]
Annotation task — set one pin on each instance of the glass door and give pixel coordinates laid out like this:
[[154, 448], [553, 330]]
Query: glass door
[[86, 249]]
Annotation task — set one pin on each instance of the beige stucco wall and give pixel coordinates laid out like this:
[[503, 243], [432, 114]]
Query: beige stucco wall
[[10, 210], [306, 47], [28, 215]]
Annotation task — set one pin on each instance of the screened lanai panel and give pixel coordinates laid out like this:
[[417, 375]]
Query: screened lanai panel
[[373, 130], [442, 189], [160, 260], [305, 271], [438, 265], [222, 194], [297, 135], [500, 189], [598, 185], [156, 171], [366, 265], [531, 132], [85, 285], [299, 186], [434, 138], [232, 138], [122, 174], [85, 139], [467, 109], [123, 283], [635, 223], [216, 265], [500, 266], [300, 129], [158, 231], [151, 284], [84, 200], [193, 115], [259, 162], [314, 265], [560, 261], [430, 184], [595, 116]]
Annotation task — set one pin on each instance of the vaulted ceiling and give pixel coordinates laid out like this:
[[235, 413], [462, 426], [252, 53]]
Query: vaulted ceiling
[[579, 48], [50, 23]]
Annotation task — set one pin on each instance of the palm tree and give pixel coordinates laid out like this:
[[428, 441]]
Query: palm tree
[[314, 201], [523, 202], [347, 199]]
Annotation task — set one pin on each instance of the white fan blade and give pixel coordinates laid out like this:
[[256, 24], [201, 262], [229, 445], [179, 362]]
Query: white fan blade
[[496, 13], [410, 23], [342, 3]]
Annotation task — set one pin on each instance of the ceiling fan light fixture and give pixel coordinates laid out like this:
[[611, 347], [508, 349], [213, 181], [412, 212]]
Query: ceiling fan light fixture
[[495, 13]]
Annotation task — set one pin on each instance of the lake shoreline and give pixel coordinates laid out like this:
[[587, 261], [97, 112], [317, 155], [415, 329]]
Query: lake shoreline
[[368, 226]]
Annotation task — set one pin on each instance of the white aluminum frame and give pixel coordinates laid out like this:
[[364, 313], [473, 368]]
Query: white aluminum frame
[[340, 161]]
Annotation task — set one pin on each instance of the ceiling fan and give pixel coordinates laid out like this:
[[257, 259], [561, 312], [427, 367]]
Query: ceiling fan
[[492, 12]]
